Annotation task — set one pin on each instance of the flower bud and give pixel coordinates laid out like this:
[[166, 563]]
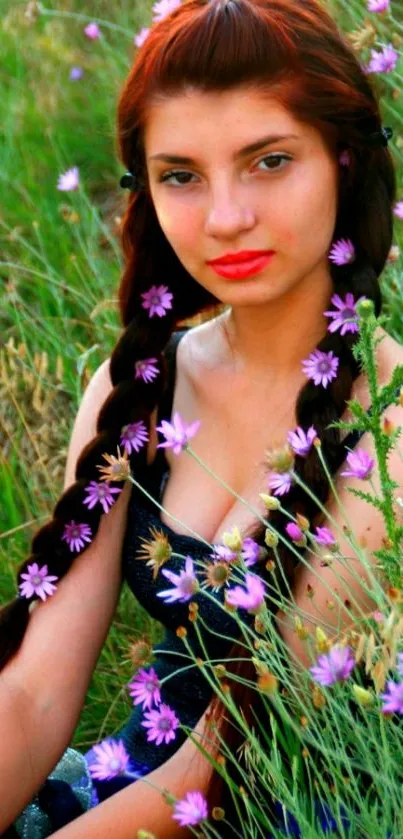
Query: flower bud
[[302, 522], [365, 308], [280, 460], [218, 814], [322, 641], [363, 697], [296, 535], [269, 501], [270, 538], [233, 539]]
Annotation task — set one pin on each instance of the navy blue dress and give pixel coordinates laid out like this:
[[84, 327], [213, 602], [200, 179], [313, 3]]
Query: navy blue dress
[[70, 790]]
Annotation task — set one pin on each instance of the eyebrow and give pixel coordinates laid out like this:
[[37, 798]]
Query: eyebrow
[[258, 144]]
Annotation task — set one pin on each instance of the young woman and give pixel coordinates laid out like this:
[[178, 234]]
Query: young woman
[[245, 126]]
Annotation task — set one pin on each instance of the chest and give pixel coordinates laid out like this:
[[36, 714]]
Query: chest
[[235, 432]]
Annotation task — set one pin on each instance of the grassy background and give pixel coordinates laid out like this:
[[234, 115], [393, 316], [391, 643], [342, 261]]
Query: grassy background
[[60, 265]]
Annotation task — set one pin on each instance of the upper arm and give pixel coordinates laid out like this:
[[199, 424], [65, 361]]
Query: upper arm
[[332, 596], [84, 428]]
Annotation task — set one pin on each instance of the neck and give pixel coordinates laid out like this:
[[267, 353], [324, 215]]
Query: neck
[[271, 340]]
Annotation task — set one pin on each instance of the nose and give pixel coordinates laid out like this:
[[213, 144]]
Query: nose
[[229, 212]]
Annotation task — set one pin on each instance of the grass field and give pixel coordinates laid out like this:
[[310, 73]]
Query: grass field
[[60, 265]]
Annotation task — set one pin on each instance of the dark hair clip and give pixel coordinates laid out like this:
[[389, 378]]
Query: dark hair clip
[[380, 138], [129, 181]]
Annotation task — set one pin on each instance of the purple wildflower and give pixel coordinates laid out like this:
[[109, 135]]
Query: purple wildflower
[[393, 698], [145, 688], [69, 180], [92, 31], [163, 8], [37, 581], [250, 551], [384, 61], [321, 367], [191, 809], [146, 369], [133, 436], [76, 73], [223, 553], [342, 252], [399, 665], [280, 482], [141, 37], [250, 599], [185, 584], [157, 300], [378, 6], [345, 158], [335, 666], [345, 317], [360, 463], [294, 532], [76, 534], [177, 434], [325, 537], [162, 723], [113, 760], [398, 209], [301, 441], [101, 493]]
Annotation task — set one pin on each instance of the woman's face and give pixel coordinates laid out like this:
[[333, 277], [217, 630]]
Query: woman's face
[[281, 197]]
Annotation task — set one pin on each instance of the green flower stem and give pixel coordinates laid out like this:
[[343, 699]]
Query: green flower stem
[[391, 566]]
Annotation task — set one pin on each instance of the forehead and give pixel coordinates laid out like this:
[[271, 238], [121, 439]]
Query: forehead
[[196, 120]]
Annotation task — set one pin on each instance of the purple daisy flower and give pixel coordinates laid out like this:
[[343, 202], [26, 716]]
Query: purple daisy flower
[[384, 61], [146, 369], [335, 666], [145, 688], [280, 482], [321, 367], [101, 493], [92, 31], [360, 463], [162, 723], [133, 436], [393, 698], [346, 316], [398, 209], [325, 537], [141, 37], [37, 581], [76, 535], [399, 665], [69, 180], [251, 598], [113, 760], [301, 441], [157, 300], [342, 252], [224, 553], [163, 8], [177, 434], [191, 809], [378, 6], [76, 73], [185, 584], [250, 551]]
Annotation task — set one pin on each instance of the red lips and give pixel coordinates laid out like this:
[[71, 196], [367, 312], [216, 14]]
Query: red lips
[[241, 256]]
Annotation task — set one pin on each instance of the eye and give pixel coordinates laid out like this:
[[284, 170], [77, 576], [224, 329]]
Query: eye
[[180, 173], [275, 157]]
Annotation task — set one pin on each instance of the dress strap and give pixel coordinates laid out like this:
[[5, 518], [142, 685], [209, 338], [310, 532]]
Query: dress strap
[[165, 406]]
